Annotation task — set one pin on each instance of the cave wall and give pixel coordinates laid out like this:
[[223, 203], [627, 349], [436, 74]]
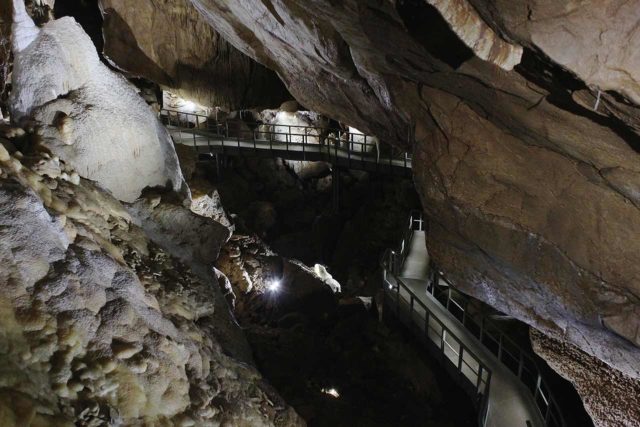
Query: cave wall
[[169, 43]]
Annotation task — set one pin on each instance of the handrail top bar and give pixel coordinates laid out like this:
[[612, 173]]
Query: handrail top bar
[[406, 288], [220, 123]]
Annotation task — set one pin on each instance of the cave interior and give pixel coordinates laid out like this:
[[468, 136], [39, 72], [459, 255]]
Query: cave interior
[[320, 212]]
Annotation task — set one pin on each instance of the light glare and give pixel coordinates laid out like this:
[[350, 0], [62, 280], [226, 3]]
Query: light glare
[[273, 286], [190, 105]]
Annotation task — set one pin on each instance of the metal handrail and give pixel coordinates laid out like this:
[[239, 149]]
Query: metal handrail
[[464, 360], [503, 350], [541, 393], [266, 135], [202, 118]]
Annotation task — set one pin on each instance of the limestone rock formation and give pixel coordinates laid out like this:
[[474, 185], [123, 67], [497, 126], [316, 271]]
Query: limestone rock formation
[[89, 116], [102, 326], [524, 186], [170, 43]]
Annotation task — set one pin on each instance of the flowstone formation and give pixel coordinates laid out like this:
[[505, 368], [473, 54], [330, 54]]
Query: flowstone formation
[[87, 114], [102, 326]]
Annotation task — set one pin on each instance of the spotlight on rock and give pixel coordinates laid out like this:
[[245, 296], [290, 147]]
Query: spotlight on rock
[[190, 106]]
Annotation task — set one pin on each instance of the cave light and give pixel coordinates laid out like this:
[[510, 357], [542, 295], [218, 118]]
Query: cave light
[[273, 286]]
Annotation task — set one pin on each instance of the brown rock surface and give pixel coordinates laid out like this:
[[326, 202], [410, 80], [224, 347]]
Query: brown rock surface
[[170, 43], [594, 39]]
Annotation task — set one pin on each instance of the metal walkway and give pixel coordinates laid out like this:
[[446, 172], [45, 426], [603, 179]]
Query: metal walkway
[[305, 143], [502, 379]]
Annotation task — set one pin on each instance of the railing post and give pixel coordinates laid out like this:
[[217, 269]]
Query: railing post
[[480, 369], [271, 142], [426, 323], [411, 307], [460, 358], [195, 145], [464, 315], [547, 412], [535, 394], [520, 366]]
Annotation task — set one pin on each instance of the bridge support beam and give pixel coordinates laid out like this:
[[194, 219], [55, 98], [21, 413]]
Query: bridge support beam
[[335, 188], [217, 164]]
